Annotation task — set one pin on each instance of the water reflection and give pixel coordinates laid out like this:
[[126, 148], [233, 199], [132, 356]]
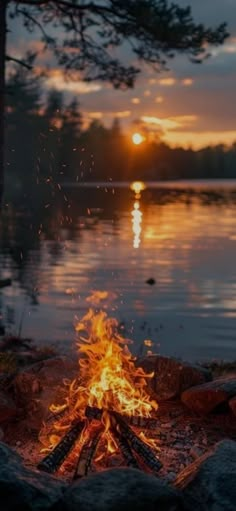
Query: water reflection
[[116, 239], [137, 187], [136, 224]]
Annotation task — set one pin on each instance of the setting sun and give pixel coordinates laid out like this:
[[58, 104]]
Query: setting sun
[[137, 138]]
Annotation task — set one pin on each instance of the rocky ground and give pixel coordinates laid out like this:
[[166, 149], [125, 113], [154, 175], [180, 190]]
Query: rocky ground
[[197, 409]]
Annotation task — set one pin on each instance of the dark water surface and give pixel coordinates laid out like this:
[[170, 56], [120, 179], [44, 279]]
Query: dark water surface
[[105, 238]]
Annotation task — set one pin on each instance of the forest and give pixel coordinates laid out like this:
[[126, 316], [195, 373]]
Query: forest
[[47, 142]]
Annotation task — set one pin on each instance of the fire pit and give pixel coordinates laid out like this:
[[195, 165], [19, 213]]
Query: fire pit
[[135, 451], [105, 408], [107, 417]]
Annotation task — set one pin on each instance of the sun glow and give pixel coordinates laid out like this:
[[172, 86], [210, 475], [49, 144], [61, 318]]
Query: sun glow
[[137, 186], [137, 138]]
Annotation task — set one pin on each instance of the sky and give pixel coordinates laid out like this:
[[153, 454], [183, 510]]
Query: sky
[[190, 105]]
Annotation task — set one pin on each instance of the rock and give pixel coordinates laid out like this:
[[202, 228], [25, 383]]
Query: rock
[[172, 376], [5, 283], [7, 407], [25, 384], [170, 477], [52, 371], [209, 483], [195, 452], [232, 404], [21, 488], [151, 281], [121, 489], [203, 399], [2, 329], [40, 385], [13, 343]]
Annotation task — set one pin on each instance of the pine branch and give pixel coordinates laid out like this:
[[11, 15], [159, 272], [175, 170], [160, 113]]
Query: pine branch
[[18, 61]]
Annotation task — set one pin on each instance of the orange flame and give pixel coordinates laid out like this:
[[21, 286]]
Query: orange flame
[[108, 379]]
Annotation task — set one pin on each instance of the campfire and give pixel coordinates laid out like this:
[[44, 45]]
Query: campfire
[[106, 409]]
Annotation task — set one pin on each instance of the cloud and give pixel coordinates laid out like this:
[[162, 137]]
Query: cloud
[[159, 99], [199, 140], [123, 114], [191, 104], [167, 82], [56, 80], [99, 115], [160, 123], [95, 115], [187, 82], [171, 123], [185, 119], [229, 47]]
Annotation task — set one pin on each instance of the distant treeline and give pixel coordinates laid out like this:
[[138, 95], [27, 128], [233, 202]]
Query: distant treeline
[[47, 144]]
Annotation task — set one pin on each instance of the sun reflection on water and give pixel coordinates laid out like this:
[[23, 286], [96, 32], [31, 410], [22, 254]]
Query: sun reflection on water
[[137, 187], [136, 224]]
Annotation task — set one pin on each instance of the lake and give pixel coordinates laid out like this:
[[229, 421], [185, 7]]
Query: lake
[[107, 237]]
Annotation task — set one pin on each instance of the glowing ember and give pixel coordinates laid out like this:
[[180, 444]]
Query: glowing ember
[[108, 379]]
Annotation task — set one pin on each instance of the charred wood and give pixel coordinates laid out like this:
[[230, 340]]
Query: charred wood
[[87, 453], [125, 448], [142, 449], [93, 412], [52, 462], [55, 417]]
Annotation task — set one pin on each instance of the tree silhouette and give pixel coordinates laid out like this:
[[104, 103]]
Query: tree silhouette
[[24, 125], [47, 146], [70, 131], [83, 35]]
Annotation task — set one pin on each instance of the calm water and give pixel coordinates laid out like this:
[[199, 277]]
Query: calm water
[[106, 238]]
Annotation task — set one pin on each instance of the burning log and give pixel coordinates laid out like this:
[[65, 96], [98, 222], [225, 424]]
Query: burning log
[[125, 449], [142, 449], [52, 418], [55, 458], [93, 412], [87, 453]]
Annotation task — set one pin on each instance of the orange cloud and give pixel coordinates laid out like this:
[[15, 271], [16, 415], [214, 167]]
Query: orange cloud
[[170, 123], [185, 119], [199, 140], [168, 82], [95, 115], [125, 113], [99, 115], [187, 82], [135, 101], [56, 80], [159, 99], [161, 123]]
